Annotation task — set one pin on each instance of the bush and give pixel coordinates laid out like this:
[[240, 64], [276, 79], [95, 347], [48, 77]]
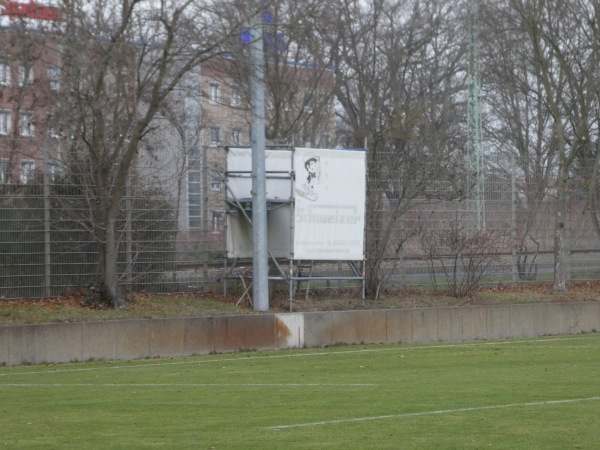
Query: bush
[[464, 258]]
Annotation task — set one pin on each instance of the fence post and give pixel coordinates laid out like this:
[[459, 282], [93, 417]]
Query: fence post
[[513, 224], [47, 249]]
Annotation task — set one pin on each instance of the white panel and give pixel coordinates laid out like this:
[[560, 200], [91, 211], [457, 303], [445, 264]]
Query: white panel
[[295, 327], [278, 165], [329, 212]]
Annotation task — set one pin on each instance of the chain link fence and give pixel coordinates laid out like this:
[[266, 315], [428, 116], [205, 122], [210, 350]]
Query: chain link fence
[[47, 244]]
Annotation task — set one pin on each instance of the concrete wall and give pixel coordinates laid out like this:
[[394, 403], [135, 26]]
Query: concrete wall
[[152, 338]]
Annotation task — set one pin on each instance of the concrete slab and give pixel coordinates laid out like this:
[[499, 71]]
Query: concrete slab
[[99, 340], [136, 339], [198, 336], [27, 345], [586, 317], [229, 333], [371, 326], [133, 339], [425, 325], [474, 323], [449, 324], [344, 328], [63, 342], [498, 322], [399, 325], [521, 321], [4, 345], [260, 332], [545, 320], [317, 329], [289, 330], [166, 338]]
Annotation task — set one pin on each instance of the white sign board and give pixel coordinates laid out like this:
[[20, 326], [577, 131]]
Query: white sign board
[[329, 215], [278, 166], [324, 204]]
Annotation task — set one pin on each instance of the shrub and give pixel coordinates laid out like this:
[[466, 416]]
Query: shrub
[[464, 258]]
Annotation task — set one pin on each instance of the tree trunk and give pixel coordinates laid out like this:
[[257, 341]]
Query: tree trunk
[[560, 240], [108, 263]]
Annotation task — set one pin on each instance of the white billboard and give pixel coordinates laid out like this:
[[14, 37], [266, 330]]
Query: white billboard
[[329, 213], [317, 214]]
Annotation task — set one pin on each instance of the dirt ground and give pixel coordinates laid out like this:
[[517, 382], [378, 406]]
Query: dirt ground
[[413, 298]]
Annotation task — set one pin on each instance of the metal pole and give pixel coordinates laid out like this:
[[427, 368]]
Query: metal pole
[[260, 275], [47, 206]]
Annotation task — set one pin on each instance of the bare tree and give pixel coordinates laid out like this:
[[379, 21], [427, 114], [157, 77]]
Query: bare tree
[[565, 67], [518, 126], [400, 83], [298, 73], [120, 64]]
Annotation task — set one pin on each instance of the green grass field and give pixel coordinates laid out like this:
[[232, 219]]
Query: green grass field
[[528, 394]]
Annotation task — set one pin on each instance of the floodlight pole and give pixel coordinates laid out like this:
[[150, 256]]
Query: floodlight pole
[[260, 253]]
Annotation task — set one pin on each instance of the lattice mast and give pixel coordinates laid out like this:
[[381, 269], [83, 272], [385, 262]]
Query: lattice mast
[[474, 146]]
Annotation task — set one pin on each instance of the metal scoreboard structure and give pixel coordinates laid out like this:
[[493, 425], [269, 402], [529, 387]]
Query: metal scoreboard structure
[[315, 209]]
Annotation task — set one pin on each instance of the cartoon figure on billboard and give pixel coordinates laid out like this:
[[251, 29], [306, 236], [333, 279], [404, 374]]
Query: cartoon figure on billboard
[[308, 188]]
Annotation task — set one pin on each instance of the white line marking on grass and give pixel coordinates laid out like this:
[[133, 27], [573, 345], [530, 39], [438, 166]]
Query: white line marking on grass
[[429, 413], [285, 385], [373, 349]]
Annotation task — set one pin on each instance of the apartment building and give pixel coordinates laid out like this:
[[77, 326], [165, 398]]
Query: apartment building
[[29, 89], [215, 114]]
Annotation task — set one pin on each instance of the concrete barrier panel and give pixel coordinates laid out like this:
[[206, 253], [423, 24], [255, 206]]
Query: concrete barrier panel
[[63, 342], [229, 333], [571, 319], [27, 345], [474, 323], [498, 322], [371, 326], [399, 325], [425, 325], [166, 337], [317, 329], [136, 339], [545, 320], [521, 321], [449, 324], [289, 330], [260, 332], [4, 344], [198, 336], [344, 329], [133, 339], [99, 340], [586, 317]]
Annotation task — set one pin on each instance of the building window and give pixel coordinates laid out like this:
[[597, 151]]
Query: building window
[[195, 191], [4, 123], [325, 140], [235, 136], [53, 78], [53, 131], [4, 171], [307, 102], [27, 171], [214, 135], [217, 222], [236, 98], [26, 124], [213, 93], [53, 171], [4, 72], [215, 184], [25, 74]]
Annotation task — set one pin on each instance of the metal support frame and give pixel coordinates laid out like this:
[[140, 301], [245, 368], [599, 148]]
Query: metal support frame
[[243, 204]]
